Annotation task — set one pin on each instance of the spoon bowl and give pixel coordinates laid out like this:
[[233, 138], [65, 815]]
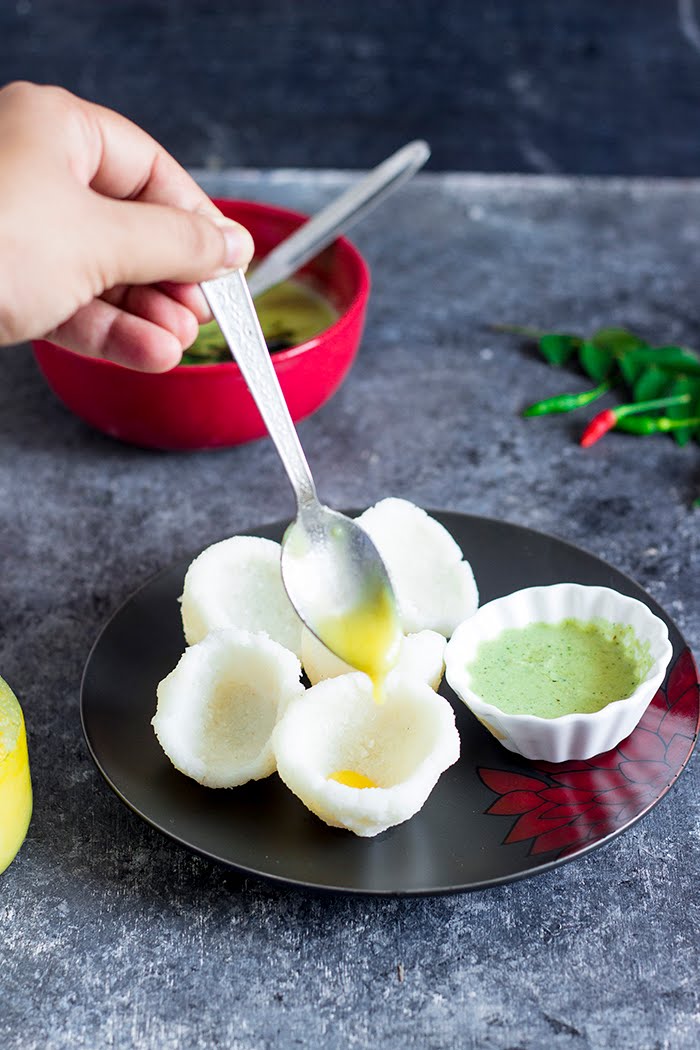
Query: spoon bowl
[[339, 586]]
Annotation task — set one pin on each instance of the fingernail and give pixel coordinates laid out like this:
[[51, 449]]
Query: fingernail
[[237, 247], [239, 244]]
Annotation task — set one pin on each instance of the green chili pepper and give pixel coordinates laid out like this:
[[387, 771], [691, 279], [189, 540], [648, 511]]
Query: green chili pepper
[[654, 424], [567, 402]]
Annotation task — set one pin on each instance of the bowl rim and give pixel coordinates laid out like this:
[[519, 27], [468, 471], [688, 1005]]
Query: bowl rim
[[653, 678], [360, 295]]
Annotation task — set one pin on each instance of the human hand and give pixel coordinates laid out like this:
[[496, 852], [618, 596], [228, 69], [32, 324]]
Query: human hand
[[103, 236]]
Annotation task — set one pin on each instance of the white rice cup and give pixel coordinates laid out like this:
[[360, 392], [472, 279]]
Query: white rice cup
[[218, 707], [238, 583], [569, 736], [402, 745], [434, 585]]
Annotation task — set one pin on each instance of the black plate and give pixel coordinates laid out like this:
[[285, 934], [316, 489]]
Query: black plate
[[493, 816]]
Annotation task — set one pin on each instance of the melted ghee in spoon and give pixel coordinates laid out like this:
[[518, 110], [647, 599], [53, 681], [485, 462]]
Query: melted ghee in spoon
[[367, 637]]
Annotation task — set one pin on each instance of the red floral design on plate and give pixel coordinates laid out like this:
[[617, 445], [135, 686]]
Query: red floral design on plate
[[574, 804]]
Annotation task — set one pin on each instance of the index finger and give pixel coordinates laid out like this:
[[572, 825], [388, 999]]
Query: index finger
[[128, 164]]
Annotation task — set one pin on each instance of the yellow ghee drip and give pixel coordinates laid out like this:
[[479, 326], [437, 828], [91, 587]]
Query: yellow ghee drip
[[367, 637], [15, 784], [350, 778]]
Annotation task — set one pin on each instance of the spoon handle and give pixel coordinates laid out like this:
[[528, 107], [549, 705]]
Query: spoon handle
[[339, 215], [232, 306]]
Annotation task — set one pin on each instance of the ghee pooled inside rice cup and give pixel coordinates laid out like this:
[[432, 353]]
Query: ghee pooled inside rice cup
[[361, 765], [238, 583], [434, 585], [217, 709], [421, 657]]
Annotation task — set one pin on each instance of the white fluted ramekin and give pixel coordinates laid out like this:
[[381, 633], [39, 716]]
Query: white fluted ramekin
[[571, 736]]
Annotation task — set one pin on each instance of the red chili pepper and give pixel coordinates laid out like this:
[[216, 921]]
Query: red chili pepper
[[598, 426], [606, 420]]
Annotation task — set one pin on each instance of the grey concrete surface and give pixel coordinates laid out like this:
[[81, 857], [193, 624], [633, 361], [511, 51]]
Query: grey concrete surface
[[110, 935]]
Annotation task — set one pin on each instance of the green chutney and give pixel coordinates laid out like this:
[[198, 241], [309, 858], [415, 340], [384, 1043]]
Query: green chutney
[[290, 313], [554, 669]]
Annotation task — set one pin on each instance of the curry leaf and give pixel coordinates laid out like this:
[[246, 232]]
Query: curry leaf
[[635, 362], [617, 341], [685, 385], [678, 359], [652, 382], [675, 360], [596, 361], [558, 347]]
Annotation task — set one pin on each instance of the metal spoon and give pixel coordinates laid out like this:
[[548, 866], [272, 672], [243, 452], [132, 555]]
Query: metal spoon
[[330, 567], [342, 213]]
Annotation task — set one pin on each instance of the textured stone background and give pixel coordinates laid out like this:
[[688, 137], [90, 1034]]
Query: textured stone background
[[511, 85], [114, 937]]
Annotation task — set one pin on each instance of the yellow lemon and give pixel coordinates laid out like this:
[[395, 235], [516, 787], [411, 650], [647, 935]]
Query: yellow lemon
[[15, 785]]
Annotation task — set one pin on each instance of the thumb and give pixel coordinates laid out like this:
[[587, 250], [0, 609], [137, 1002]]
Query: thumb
[[140, 243]]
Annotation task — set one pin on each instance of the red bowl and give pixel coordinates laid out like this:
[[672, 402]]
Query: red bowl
[[209, 406]]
